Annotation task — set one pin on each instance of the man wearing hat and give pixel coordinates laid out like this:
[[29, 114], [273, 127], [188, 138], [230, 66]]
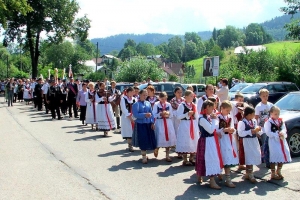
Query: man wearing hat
[[39, 94], [54, 99], [72, 95]]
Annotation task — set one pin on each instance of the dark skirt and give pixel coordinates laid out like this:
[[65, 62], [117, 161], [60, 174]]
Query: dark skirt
[[266, 152], [20, 95], [200, 157], [146, 137], [135, 140], [82, 113], [241, 152]]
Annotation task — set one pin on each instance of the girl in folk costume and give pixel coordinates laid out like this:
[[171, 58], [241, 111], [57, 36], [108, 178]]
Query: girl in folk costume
[[276, 138], [188, 132], [249, 148], [209, 160], [195, 100], [27, 92], [175, 102], [20, 90], [91, 107], [165, 133], [105, 115], [209, 92], [127, 120], [228, 141], [82, 102], [144, 125], [151, 95]]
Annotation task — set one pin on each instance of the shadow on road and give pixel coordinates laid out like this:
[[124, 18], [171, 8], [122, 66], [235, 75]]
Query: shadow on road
[[95, 137]]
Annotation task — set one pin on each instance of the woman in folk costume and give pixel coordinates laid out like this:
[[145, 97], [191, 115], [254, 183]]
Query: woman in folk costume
[[278, 147], [188, 132], [144, 125], [249, 148], [195, 100], [105, 115], [228, 141], [152, 98], [20, 90], [165, 133], [209, 92], [27, 92], [82, 102], [208, 158], [175, 102], [91, 107], [127, 119]]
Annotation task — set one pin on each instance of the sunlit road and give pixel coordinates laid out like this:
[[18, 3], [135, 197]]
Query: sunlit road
[[45, 159]]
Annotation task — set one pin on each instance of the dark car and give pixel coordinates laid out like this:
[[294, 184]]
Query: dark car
[[290, 113], [276, 91], [167, 87], [122, 86]]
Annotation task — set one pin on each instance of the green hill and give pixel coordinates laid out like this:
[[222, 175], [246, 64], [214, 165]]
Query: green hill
[[289, 46]]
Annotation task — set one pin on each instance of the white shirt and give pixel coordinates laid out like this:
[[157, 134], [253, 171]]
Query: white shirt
[[32, 85], [45, 88], [223, 93], [262, 110]]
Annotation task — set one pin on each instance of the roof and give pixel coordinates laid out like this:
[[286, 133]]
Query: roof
[[99, 60], [175, 67], [108, 56], [241, 49]]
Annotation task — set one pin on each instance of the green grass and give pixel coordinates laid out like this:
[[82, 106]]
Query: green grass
[[198, 65], [277, 47]]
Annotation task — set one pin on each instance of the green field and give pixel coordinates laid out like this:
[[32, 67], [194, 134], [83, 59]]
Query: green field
[[275, 47]]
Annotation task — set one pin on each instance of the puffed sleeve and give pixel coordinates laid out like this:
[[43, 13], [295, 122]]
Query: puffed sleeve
[[156, 114], [86, 98], [98, 99], [170, 110], [283, 130], [241, 130], [179, 113], [123, 108], [269, 132], [199, 104], [209, 127]]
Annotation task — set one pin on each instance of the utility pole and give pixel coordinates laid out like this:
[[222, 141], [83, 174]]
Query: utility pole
[[97, 56]]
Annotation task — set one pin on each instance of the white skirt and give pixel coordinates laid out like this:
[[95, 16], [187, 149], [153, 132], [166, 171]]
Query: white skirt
[[105, 117], [126, 127], [89, 118], [160, 133], [276, 154], [227, 150], [184, 143], [212, 161], [176, 123], [252, 151]]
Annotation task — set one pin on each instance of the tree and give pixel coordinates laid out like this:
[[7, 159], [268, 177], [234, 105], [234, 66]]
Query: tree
[[175, 46], [139, 69], [216, 51], [145, 49], [55, 18], [214, 34], [256, 35], [191, 51], [173, 78], [162, 49], [293, 7], [230, 36]]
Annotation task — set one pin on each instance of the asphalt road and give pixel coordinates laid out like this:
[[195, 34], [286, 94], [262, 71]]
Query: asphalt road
[[45, 159]]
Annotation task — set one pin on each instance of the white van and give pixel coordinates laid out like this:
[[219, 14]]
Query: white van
[[199, 89]]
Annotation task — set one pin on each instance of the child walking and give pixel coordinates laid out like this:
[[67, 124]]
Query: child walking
[[228, 140], [164, 129], [208, 158], [188, 132], [278, 147], [249, 148]]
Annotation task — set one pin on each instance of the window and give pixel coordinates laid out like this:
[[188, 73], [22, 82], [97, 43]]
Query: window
[[167, 88], [291, 87], [279, 88], [201, 88]]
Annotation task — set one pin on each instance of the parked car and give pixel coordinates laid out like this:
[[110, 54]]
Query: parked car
[[167, 87], [290, 113], [276, 91], [199, 89], [122, 86], [235, 89]]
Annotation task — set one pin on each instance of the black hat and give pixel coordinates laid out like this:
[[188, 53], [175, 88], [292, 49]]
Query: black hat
[[39, 79], [59, 79], [71, 77], [34, 78]]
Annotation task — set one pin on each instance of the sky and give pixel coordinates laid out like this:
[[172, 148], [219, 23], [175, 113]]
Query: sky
[[112, 17]]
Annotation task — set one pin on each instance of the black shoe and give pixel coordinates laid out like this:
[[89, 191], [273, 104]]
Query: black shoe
[[118, 127], [60, 118], [76, 117]]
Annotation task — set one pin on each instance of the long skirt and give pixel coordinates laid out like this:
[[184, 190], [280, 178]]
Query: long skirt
[[185, 144], [163, 138], [146, 137], [229, 150], [82, 113], [105, 117], [126, 127], [91, 114], [176, 123], [20, 95], [279, 154], [265, 154], [135, 140], [249, 151], [207, 160]]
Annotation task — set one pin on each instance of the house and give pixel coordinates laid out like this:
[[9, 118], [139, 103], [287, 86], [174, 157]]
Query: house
[[245, 49], [173, 69]]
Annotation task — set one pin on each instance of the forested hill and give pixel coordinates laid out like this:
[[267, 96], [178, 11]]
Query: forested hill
[[274, 27]]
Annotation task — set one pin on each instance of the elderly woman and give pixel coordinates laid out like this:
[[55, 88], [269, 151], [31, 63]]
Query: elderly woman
[[27, 92], [91, 107]]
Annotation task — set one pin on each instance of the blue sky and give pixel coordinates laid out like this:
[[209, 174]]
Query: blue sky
[[113, 17]]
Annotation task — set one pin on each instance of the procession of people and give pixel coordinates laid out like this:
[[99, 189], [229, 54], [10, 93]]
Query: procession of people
[[210, 133]]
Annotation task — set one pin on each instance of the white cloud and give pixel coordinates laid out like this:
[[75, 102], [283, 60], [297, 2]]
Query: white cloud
[[176, 16]]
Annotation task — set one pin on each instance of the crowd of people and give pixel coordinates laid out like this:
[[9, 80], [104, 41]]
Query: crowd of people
[[211, 133]]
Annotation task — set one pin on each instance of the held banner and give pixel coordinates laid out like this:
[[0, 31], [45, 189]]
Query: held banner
[[211, 66]]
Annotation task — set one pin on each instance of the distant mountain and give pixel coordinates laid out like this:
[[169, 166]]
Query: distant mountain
[[106, 45]]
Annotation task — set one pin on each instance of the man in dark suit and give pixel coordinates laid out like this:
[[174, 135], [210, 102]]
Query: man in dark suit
[[72, 95], [54, 99], [39, 94]]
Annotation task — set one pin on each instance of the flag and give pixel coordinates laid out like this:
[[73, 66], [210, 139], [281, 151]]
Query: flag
[[70, 72]]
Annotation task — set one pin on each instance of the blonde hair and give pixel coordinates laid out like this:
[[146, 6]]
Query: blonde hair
[[163, 94], [263, 91], [188, 93], [91, 84], [238, 95], [226, 104], [274, 109]]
